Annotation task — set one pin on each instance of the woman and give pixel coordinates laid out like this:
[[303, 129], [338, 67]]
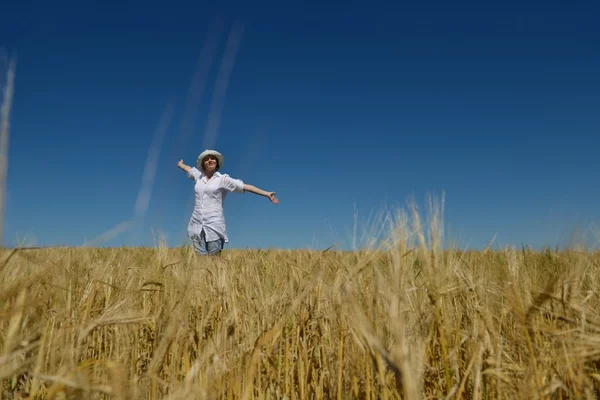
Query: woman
[[206, 229]]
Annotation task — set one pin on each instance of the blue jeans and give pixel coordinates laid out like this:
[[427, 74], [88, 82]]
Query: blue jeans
[[201, 246]]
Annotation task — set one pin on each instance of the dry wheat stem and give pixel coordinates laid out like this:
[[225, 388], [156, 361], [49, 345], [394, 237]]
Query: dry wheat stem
[[5, 111]]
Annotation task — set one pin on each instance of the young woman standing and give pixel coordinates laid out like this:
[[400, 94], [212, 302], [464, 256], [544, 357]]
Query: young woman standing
[[207, 229]]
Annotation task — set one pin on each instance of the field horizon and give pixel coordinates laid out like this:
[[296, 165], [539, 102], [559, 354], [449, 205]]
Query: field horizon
[[410, 320]]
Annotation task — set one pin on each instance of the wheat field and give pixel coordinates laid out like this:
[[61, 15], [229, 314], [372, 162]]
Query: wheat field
[[413, 319]]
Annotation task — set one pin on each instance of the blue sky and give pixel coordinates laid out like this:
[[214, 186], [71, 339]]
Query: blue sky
[[337, 108]]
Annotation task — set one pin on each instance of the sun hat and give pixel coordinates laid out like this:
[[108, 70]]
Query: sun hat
[[207, 152]]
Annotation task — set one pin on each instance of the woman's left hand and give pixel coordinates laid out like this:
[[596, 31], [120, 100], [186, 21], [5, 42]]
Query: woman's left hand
[[271, 196]]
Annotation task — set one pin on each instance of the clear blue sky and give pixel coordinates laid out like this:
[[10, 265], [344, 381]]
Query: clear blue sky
[[331, 106]]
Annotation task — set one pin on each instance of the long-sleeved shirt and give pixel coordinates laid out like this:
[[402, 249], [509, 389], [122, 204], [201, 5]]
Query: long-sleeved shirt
[[208, 205]]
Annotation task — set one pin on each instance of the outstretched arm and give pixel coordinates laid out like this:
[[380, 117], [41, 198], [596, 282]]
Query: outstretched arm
[[260, 192], [184, 167]]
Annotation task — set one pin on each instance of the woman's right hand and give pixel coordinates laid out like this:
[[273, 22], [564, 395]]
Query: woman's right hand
[[184, 167]]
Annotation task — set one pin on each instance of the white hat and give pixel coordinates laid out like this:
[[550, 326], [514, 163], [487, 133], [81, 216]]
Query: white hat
[[208, 153]]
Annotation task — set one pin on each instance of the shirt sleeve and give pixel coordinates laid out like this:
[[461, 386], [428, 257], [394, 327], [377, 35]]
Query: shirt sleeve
[[232, 185], [194, 174]]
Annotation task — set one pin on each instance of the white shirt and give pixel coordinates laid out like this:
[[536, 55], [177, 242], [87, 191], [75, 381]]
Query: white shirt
[[208, 205]]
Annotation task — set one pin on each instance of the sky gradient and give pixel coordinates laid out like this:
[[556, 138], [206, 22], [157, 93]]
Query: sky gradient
[[337, 108]]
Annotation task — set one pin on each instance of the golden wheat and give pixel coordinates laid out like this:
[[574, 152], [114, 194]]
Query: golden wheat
[[413, 321]]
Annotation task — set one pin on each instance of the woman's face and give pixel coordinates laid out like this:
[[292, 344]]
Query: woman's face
[[210, 163]]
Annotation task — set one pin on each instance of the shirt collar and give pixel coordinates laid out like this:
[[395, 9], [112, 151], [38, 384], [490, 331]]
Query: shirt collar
[[216, 174]]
